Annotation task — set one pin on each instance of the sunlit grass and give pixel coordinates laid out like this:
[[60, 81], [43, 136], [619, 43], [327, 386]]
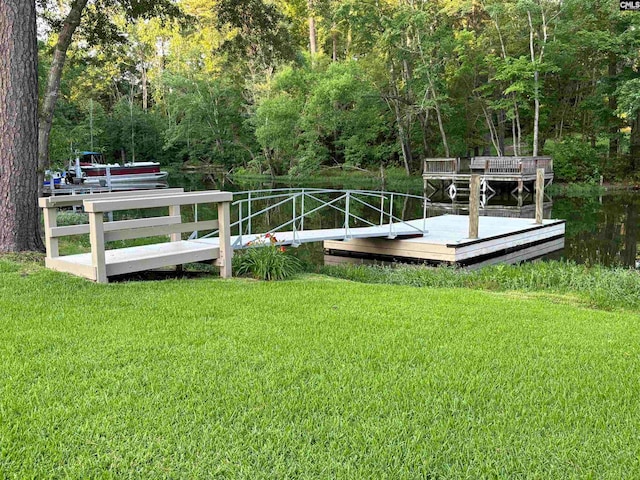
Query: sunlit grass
[[312, 378]]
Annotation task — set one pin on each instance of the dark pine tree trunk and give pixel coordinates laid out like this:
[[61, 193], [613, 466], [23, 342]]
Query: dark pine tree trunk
[[19, 215]]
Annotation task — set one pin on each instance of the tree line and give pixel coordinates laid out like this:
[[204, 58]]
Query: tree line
[[289, 87], [295, 86]]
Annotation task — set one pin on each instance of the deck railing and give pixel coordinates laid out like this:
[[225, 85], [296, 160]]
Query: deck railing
[[98, 268], [511, 165], [488, 165], [441, 165]]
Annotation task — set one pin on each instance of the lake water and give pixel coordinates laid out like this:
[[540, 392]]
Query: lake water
[[599, 230]]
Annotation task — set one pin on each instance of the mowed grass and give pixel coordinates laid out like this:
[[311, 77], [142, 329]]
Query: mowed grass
[[312, 378]]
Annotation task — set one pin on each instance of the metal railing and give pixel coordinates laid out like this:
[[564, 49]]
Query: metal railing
[[305, 202]]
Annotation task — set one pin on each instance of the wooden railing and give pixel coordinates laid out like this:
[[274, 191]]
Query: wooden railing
[[98, 267], [488, 165], [441, 165], [511, 165]]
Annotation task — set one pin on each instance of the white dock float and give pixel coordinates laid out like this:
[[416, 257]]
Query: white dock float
[[447, 240]]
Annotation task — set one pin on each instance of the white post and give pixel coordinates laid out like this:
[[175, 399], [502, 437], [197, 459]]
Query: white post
[[78, 169], [174, 210], [224, 234], [294, 219], [50, 221], [474, 205], [249, 212], [108, 168], [391, 216], [239, 223], [424, 216], [346, 216], [302, 215], [539, 194], [96, 238]]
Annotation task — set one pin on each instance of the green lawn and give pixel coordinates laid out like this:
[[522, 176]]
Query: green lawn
[[313, 378]]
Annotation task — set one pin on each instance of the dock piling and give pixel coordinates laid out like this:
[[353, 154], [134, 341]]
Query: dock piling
[[474, 205], [539, 194]]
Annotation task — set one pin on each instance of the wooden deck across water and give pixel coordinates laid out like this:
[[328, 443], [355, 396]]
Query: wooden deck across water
[[448, 240]]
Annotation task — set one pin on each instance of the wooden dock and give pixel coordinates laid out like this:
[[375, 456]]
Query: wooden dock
[[452, 175], [452, 239], [448, 241]]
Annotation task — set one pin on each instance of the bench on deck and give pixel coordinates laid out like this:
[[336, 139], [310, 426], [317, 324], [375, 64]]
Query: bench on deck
[[102, 263]]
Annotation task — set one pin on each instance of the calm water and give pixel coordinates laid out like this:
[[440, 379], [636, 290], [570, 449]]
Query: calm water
[[601, 230]]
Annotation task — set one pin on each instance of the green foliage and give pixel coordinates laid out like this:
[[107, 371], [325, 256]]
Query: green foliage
[[266, 261], [67, 218], [574, 160], [207, 124], [233, 83], [277, 120], [327, 116]]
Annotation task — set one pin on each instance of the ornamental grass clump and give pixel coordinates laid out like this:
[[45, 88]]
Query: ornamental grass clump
[[265, 260]]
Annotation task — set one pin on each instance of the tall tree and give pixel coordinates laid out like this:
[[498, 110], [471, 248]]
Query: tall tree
[[100, 27], [19, 219], [70, 25]]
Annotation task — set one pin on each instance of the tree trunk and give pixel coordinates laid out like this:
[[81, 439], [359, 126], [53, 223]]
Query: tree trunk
[[613, 106], [536, 112], [313, 49], [502, 120], [19, 214], [634, 161], [145, 89], [53, 82], [334, 43]]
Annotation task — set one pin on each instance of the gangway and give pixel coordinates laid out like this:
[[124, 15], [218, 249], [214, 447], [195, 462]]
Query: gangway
[[356, 207]]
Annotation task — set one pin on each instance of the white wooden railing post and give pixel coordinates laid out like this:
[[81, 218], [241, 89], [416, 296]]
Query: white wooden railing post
[[539, 195], [174, 210], [224, 234], [51, 221], [96, 238]]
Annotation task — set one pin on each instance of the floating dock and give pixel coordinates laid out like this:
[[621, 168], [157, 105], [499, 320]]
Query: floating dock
[[513, 239]]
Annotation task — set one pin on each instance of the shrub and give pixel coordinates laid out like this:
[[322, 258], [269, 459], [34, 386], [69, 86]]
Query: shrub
[[265, 260], [574, 160], [68, 218]]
